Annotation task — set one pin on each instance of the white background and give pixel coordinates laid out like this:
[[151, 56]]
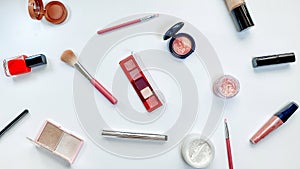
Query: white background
[[48, 92]]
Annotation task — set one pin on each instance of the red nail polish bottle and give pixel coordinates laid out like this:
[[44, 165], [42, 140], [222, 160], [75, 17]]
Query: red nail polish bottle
[[22, 64]]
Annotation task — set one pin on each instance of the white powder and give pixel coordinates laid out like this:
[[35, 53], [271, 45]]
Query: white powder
[[68, 146], [200, 152], [197, 152]]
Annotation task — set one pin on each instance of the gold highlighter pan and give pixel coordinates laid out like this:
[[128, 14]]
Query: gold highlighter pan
[[58, 141]]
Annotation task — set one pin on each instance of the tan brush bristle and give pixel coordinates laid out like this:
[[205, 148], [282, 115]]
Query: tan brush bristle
[[69, 57]]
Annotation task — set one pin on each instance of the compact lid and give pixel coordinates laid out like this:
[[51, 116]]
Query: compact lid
[[35, 60], [36, 9], [173, 30], [242, 17]]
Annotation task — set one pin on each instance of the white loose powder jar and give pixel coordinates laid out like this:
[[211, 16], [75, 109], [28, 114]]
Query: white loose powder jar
[[197, 152]]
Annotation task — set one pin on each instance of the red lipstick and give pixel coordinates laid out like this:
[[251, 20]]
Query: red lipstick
[[274, 122]]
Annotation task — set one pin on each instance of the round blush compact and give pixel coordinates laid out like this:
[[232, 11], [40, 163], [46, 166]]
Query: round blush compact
[[181, 45], [54, 12]]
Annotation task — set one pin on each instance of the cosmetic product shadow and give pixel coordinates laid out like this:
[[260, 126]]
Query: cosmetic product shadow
[[271, 68], [33, 74], [53, 157], [135, 141], [244, 34]]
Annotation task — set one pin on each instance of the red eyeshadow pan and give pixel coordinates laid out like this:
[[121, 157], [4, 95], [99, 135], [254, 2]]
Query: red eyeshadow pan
[[140, 83], [152, 102]]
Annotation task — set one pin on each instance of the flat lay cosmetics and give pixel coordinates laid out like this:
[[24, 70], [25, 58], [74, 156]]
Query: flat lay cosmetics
[[181, 45], [228, 147], [22, 64], [134, 135], [240, 14], [226, 86], [274, 122], [140, 83], [55, 12], [196, 151], [273, 59], [58, 141], [70, 58], [13, 122], [132, 22]]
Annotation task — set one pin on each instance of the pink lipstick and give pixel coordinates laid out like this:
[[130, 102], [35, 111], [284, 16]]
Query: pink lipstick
[[274, 122]]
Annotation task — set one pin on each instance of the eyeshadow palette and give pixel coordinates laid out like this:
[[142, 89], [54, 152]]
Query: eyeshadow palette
[[184, 87], [140, 83], [61, 143]]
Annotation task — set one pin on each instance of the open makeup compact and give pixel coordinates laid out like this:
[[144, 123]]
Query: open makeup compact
[[181, 45], [55, 12], [58, 141]]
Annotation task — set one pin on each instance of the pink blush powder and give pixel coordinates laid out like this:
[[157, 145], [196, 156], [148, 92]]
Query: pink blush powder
[[182, 45], [226, 86]]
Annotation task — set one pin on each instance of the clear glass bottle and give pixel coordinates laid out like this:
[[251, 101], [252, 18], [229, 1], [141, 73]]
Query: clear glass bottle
[[22, 64]]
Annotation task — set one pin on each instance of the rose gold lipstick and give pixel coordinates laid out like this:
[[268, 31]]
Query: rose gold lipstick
[[274, 122]]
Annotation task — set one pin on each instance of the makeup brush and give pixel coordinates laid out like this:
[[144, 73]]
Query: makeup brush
[[70, 58], [228, 147]]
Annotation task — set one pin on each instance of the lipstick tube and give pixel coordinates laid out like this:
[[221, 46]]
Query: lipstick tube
[[240, 14], [273, 59], [274, 122]]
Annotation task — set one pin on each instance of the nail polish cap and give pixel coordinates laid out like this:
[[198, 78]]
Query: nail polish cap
[[35, 60], [242, 17], [285, 113], [273, 59], [173, 30]]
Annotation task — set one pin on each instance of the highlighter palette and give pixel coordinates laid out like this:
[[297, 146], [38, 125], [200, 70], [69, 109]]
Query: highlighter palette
[[140, 83], [58, 141]]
